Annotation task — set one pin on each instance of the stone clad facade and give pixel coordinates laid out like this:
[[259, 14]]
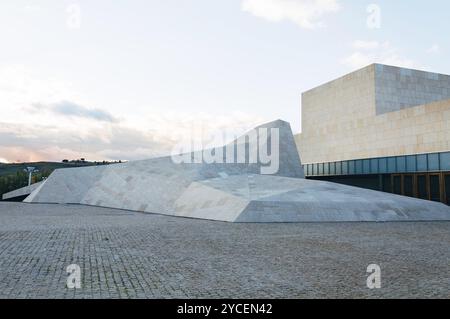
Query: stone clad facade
[[377, 111], [397, 88]]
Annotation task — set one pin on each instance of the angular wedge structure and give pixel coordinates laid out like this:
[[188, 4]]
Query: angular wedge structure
[[231, 192], [21, 193]]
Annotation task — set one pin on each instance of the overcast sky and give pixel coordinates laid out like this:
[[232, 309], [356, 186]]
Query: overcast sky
[[106, 79]]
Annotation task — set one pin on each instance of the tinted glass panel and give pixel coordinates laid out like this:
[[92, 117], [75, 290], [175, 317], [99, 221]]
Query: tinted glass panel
[[321, 169], [408, 187], [374, 166], [401, 164], [433, 162], [435, 193], [338, 168], [391, 165], [383, 165], [326, 168], [397, 185], [445, 161], [422, 187], [344, 168], [359, 167], [351, 167], [411, 163], [366, 167], [422, 163], [332, 168]]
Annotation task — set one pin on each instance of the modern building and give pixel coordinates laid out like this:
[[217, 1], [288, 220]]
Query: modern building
[[231, 191], [381, 127]]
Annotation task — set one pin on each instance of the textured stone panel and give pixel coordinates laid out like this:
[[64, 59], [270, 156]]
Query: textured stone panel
[[229, 192], [349, 118], [399, 88]]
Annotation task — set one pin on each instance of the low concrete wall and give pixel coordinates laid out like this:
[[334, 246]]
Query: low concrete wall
[[21, 192]]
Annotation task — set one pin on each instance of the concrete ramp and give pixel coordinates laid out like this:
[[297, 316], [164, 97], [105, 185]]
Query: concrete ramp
[[21, 193]]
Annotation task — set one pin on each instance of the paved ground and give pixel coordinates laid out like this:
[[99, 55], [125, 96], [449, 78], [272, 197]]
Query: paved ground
[[131, 255]]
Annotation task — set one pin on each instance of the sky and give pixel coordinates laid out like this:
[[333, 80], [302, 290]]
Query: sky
[[110, 80]]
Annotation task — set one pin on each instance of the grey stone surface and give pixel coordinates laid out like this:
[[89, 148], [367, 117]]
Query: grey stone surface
[[377, 111], [27, 190], [399, 88], [230, 192], [125, 254]]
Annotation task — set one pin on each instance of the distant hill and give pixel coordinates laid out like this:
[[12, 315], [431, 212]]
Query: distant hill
[[12, 169]]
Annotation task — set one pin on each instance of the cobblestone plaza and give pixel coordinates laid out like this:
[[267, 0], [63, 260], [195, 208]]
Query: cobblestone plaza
[[125, 254]]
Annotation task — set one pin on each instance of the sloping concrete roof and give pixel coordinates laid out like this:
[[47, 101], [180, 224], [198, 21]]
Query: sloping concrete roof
[[230, 192]]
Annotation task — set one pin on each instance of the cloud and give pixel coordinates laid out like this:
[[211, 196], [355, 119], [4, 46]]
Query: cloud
[[33, 7], [21, 87], [366, 45], [38, 142], [43, 118], [434, 49], [368, 52], [67, 108], [307, 14], [113, 141]]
